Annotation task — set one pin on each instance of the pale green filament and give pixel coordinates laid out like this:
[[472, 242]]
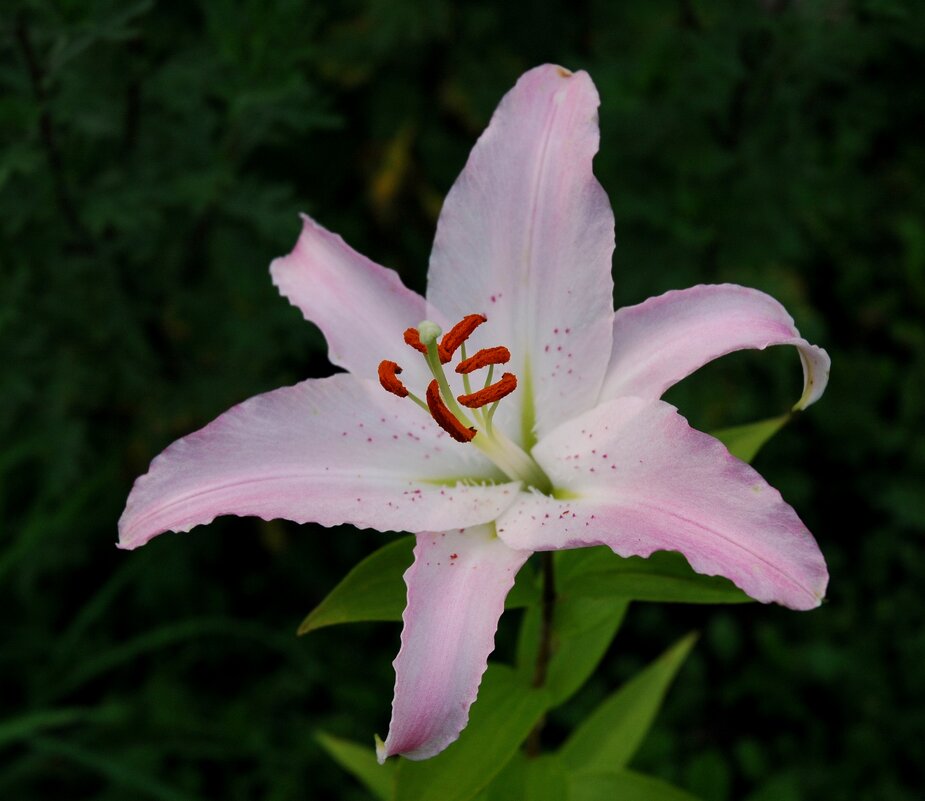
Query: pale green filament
[[417, 400], [462, 355], [508, 456], [477, 413], [436, 369]]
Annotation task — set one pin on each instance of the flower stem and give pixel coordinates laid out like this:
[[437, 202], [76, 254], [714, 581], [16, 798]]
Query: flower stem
[[544, 652]]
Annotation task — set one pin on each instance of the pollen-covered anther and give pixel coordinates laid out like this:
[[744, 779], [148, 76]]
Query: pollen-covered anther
[[458, 334], [444, 417], [413, 338], [388, 377], [493, 392], [483, 358]]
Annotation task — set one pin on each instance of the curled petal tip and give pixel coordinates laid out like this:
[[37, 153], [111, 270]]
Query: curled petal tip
[[816, 365], [381, 753]]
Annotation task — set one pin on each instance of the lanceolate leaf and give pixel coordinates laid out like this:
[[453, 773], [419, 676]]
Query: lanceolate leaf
[[374, 590], [582, 629], [624, 785], [665, 576], [745, 441], [608, 739], [500, 720], [545, 779], [509, 783], [361, 763]]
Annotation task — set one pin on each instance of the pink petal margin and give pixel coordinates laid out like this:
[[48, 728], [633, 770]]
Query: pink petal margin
[[640, 479], [456, 590], [664, 339], [331, 451], [361, 308]]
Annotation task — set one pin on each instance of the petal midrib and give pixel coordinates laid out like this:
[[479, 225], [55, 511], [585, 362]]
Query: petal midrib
[[528, 402]]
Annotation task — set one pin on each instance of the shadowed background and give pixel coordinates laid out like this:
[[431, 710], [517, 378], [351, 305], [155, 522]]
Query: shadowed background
[[153, 158]]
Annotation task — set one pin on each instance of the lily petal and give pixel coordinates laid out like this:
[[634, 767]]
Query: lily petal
[[330, 451], [639, 479], [526, 238], [662, 340], [361, 308], [456, 590]]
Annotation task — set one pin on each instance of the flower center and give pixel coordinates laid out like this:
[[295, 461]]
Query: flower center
[[445, 407]]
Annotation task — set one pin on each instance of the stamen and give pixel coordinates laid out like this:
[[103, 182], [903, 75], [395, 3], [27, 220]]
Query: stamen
[[444, 417], [388, 377], [483, 358], [413, 338], [458, 334], [494, 392]]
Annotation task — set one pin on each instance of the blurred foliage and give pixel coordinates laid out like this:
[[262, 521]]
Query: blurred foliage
[[153, 157]]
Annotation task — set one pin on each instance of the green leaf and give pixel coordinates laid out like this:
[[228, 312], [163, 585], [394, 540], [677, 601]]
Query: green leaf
[[374, 590], [744, 442], [509, 783], [545, 779], [542, 778], [582, 630], [625, 785], [664, 577], [360, 762], [611, 734], [500, 720]]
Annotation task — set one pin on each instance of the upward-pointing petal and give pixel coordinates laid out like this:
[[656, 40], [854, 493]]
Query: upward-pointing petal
[[526, 238], [331, 451]]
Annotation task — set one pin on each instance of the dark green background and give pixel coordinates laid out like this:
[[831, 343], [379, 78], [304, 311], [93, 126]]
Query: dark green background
[[154, 156]]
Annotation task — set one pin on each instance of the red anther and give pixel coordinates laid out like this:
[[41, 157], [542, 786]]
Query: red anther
[[444, 417], [413, 338], [458, 334], [484, 357], [388, 377], [505, 386]]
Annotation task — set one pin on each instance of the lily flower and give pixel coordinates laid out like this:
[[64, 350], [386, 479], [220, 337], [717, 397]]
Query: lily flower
[[570, 447]]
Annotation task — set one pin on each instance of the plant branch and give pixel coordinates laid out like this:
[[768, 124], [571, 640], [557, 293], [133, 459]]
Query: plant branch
[[549, 606]]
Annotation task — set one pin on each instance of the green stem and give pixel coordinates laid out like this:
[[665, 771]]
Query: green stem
[[544, 652]]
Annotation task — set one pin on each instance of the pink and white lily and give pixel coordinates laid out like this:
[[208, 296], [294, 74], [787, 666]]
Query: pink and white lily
[[583, 451]]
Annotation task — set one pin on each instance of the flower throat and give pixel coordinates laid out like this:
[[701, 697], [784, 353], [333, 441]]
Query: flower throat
[[445, 408]]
